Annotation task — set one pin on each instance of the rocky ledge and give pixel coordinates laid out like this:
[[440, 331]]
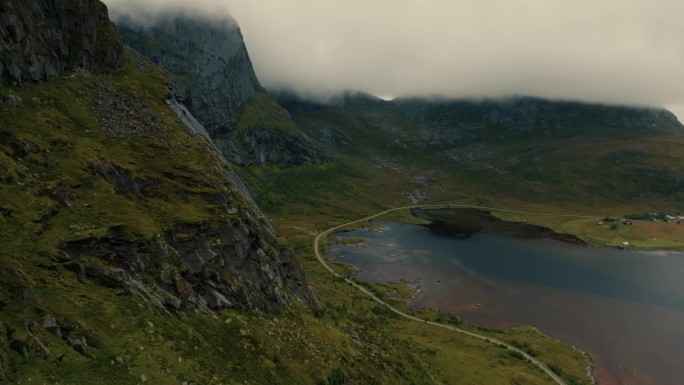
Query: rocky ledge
[[39, 39]]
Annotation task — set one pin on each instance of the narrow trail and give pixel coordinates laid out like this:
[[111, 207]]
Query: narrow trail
[[322, 261]]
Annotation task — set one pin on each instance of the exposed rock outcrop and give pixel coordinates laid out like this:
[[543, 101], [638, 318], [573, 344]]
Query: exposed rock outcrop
[[267, 146], [207, 268], [207, 61], [234, 263], [213, 76], [39, 39]]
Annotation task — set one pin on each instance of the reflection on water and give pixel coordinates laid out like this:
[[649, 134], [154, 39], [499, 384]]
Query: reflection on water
[[625, 308]]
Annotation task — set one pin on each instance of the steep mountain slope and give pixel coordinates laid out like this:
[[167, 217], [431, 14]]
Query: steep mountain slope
[[210, 66], [64, 159], [103, 192]]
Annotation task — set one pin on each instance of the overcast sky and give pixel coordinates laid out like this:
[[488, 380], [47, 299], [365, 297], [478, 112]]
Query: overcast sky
[[616, 51]]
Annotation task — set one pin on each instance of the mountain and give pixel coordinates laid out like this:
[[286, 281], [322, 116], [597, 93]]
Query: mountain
[[132, 253], [209, 65], [524, 118], [523, 148], [461, 121], [109, 204]]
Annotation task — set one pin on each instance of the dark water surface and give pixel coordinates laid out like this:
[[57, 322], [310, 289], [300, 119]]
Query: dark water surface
[[625, 308]]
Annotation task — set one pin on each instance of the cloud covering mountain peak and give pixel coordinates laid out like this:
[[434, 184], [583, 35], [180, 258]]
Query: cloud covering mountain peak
[[616, 51]]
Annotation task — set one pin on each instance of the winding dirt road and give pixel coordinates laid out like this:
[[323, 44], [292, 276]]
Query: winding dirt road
[[322, 235]]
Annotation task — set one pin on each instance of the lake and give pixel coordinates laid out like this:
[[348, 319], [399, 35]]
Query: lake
[[624, 307]]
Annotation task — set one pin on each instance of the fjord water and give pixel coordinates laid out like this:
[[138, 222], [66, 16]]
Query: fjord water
[[625, 308]]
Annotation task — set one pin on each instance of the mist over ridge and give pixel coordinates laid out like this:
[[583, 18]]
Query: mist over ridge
[[619, 52]]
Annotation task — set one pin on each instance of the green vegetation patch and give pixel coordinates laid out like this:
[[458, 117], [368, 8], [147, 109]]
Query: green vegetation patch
[[265, 113]]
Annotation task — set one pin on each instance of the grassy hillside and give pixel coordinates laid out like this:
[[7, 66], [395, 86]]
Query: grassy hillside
[[95, 157], [265, 113]]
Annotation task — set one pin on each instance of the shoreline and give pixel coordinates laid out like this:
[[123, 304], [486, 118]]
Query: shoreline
[[416, 289], [480, 221], [465, 222], [316, 247], [373, 275], [544, 231]]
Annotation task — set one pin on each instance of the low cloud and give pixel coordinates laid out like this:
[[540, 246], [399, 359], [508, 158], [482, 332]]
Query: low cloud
[[149, 11], [617, 51]]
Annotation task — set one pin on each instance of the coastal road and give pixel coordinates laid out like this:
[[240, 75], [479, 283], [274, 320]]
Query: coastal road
[[495, 341]]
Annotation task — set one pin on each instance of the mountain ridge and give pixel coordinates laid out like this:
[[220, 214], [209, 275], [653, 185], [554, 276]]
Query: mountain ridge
[[532, 147], [245, 122]]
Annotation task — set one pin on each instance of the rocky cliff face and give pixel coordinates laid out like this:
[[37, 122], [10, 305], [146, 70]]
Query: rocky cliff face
[[211, 69], [39, 39], [207, 61], [107, 203], [232, 263]]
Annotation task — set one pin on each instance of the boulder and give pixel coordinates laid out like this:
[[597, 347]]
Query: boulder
[[13, 100], [50, 324]]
